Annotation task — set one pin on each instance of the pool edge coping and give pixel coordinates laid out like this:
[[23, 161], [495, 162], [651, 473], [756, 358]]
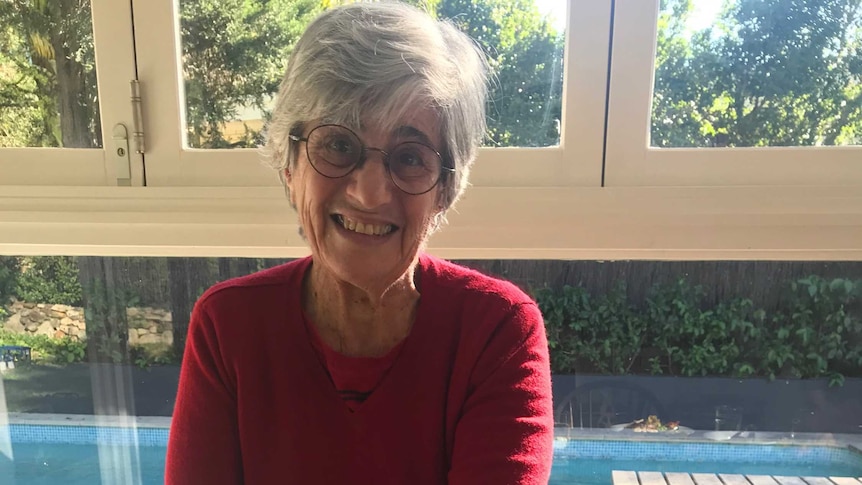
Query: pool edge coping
[[849, 441], [156, 422]]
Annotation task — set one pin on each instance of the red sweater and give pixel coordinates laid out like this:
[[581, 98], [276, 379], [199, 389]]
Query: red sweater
[[467, 400]]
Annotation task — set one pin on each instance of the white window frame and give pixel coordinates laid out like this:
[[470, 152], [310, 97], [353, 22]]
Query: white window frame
[[632, 162], [115, 61], [171, 163]]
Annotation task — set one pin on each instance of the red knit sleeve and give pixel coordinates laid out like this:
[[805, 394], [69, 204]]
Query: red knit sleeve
[[203, 446], [505, 434]]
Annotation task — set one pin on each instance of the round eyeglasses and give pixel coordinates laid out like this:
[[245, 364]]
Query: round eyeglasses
[[334, 151]]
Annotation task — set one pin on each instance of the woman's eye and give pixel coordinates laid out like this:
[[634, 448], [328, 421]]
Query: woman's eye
[[410, 159], [340, 145]]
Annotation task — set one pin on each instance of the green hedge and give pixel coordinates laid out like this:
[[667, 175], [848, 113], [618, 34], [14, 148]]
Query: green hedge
[[817, 333]]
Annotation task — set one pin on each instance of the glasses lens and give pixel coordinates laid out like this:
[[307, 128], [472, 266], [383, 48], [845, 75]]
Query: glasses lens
[[333, 150], [415, 167]]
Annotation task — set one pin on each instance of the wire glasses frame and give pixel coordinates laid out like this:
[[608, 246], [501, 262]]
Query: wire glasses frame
[[335, 151]]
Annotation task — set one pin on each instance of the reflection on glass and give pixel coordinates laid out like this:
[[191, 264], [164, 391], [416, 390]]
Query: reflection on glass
[[234, 53], [48, 92], [748, 73], [94, 341], [740, 353]]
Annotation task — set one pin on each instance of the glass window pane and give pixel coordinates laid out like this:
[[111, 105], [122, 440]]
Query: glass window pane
[[745, 353], [95, 341], [48, 92], [234, 53], [747, 73]]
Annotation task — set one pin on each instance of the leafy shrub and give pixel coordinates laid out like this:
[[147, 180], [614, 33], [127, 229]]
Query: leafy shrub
[[604, 333], [817, 334], [820, 333], [46, 349], [692, 340], [9, 270], [147, 355], [50, 279]]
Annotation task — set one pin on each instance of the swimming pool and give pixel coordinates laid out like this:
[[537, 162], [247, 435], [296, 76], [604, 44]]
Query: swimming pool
[[52, 455]]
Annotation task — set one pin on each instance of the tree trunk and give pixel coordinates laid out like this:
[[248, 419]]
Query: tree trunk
[[72, 99], [104, 310]]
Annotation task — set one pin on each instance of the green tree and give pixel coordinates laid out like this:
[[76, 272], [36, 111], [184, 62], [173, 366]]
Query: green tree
[[526, 55], [47, 74], [50, 279], [234, 54], [769, 72], [20, 118]]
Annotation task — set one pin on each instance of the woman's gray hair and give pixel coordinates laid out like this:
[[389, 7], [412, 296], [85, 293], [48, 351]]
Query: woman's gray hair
[[375, 63]]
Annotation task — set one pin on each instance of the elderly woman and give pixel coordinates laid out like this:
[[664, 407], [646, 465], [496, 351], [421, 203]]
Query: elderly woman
[[369, 362]]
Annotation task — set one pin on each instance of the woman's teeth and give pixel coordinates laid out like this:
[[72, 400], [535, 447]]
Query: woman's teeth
[[369, 229]]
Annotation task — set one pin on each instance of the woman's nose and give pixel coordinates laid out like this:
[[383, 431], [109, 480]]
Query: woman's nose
[[370, 185]]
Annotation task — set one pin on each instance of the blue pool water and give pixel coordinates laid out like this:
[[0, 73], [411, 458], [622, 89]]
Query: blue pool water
[[68, 464], [52, 455]]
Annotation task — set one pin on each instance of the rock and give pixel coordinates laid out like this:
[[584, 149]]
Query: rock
[[168, 338], [29, 305], [45, 329], [154, 329], [133, 338], [149, 339], [55, 322], [59, 334], [26, 313], [41, 305], [66, 321], [60, 308], [73, 313], [31, 327], [57, 315], [14, 324]]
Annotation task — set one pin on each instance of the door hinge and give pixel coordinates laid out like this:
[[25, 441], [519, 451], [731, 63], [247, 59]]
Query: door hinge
[[138, 133]]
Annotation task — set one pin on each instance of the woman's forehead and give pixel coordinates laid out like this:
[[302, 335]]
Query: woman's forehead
[[421, 124]]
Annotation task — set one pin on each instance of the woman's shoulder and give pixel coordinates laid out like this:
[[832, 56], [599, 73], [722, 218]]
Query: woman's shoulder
[[466, 283], [486, 313], [258, 287]]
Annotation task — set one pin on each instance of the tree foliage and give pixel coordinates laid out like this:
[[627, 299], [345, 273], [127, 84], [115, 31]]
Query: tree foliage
[[526, 57], [48, 89], [234, 54], [49, 279], [768, 72]]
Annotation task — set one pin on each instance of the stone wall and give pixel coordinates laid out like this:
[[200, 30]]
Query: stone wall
[[146, 325]]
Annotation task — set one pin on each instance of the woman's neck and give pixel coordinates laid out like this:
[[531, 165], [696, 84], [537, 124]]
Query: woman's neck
[[360, 322]]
